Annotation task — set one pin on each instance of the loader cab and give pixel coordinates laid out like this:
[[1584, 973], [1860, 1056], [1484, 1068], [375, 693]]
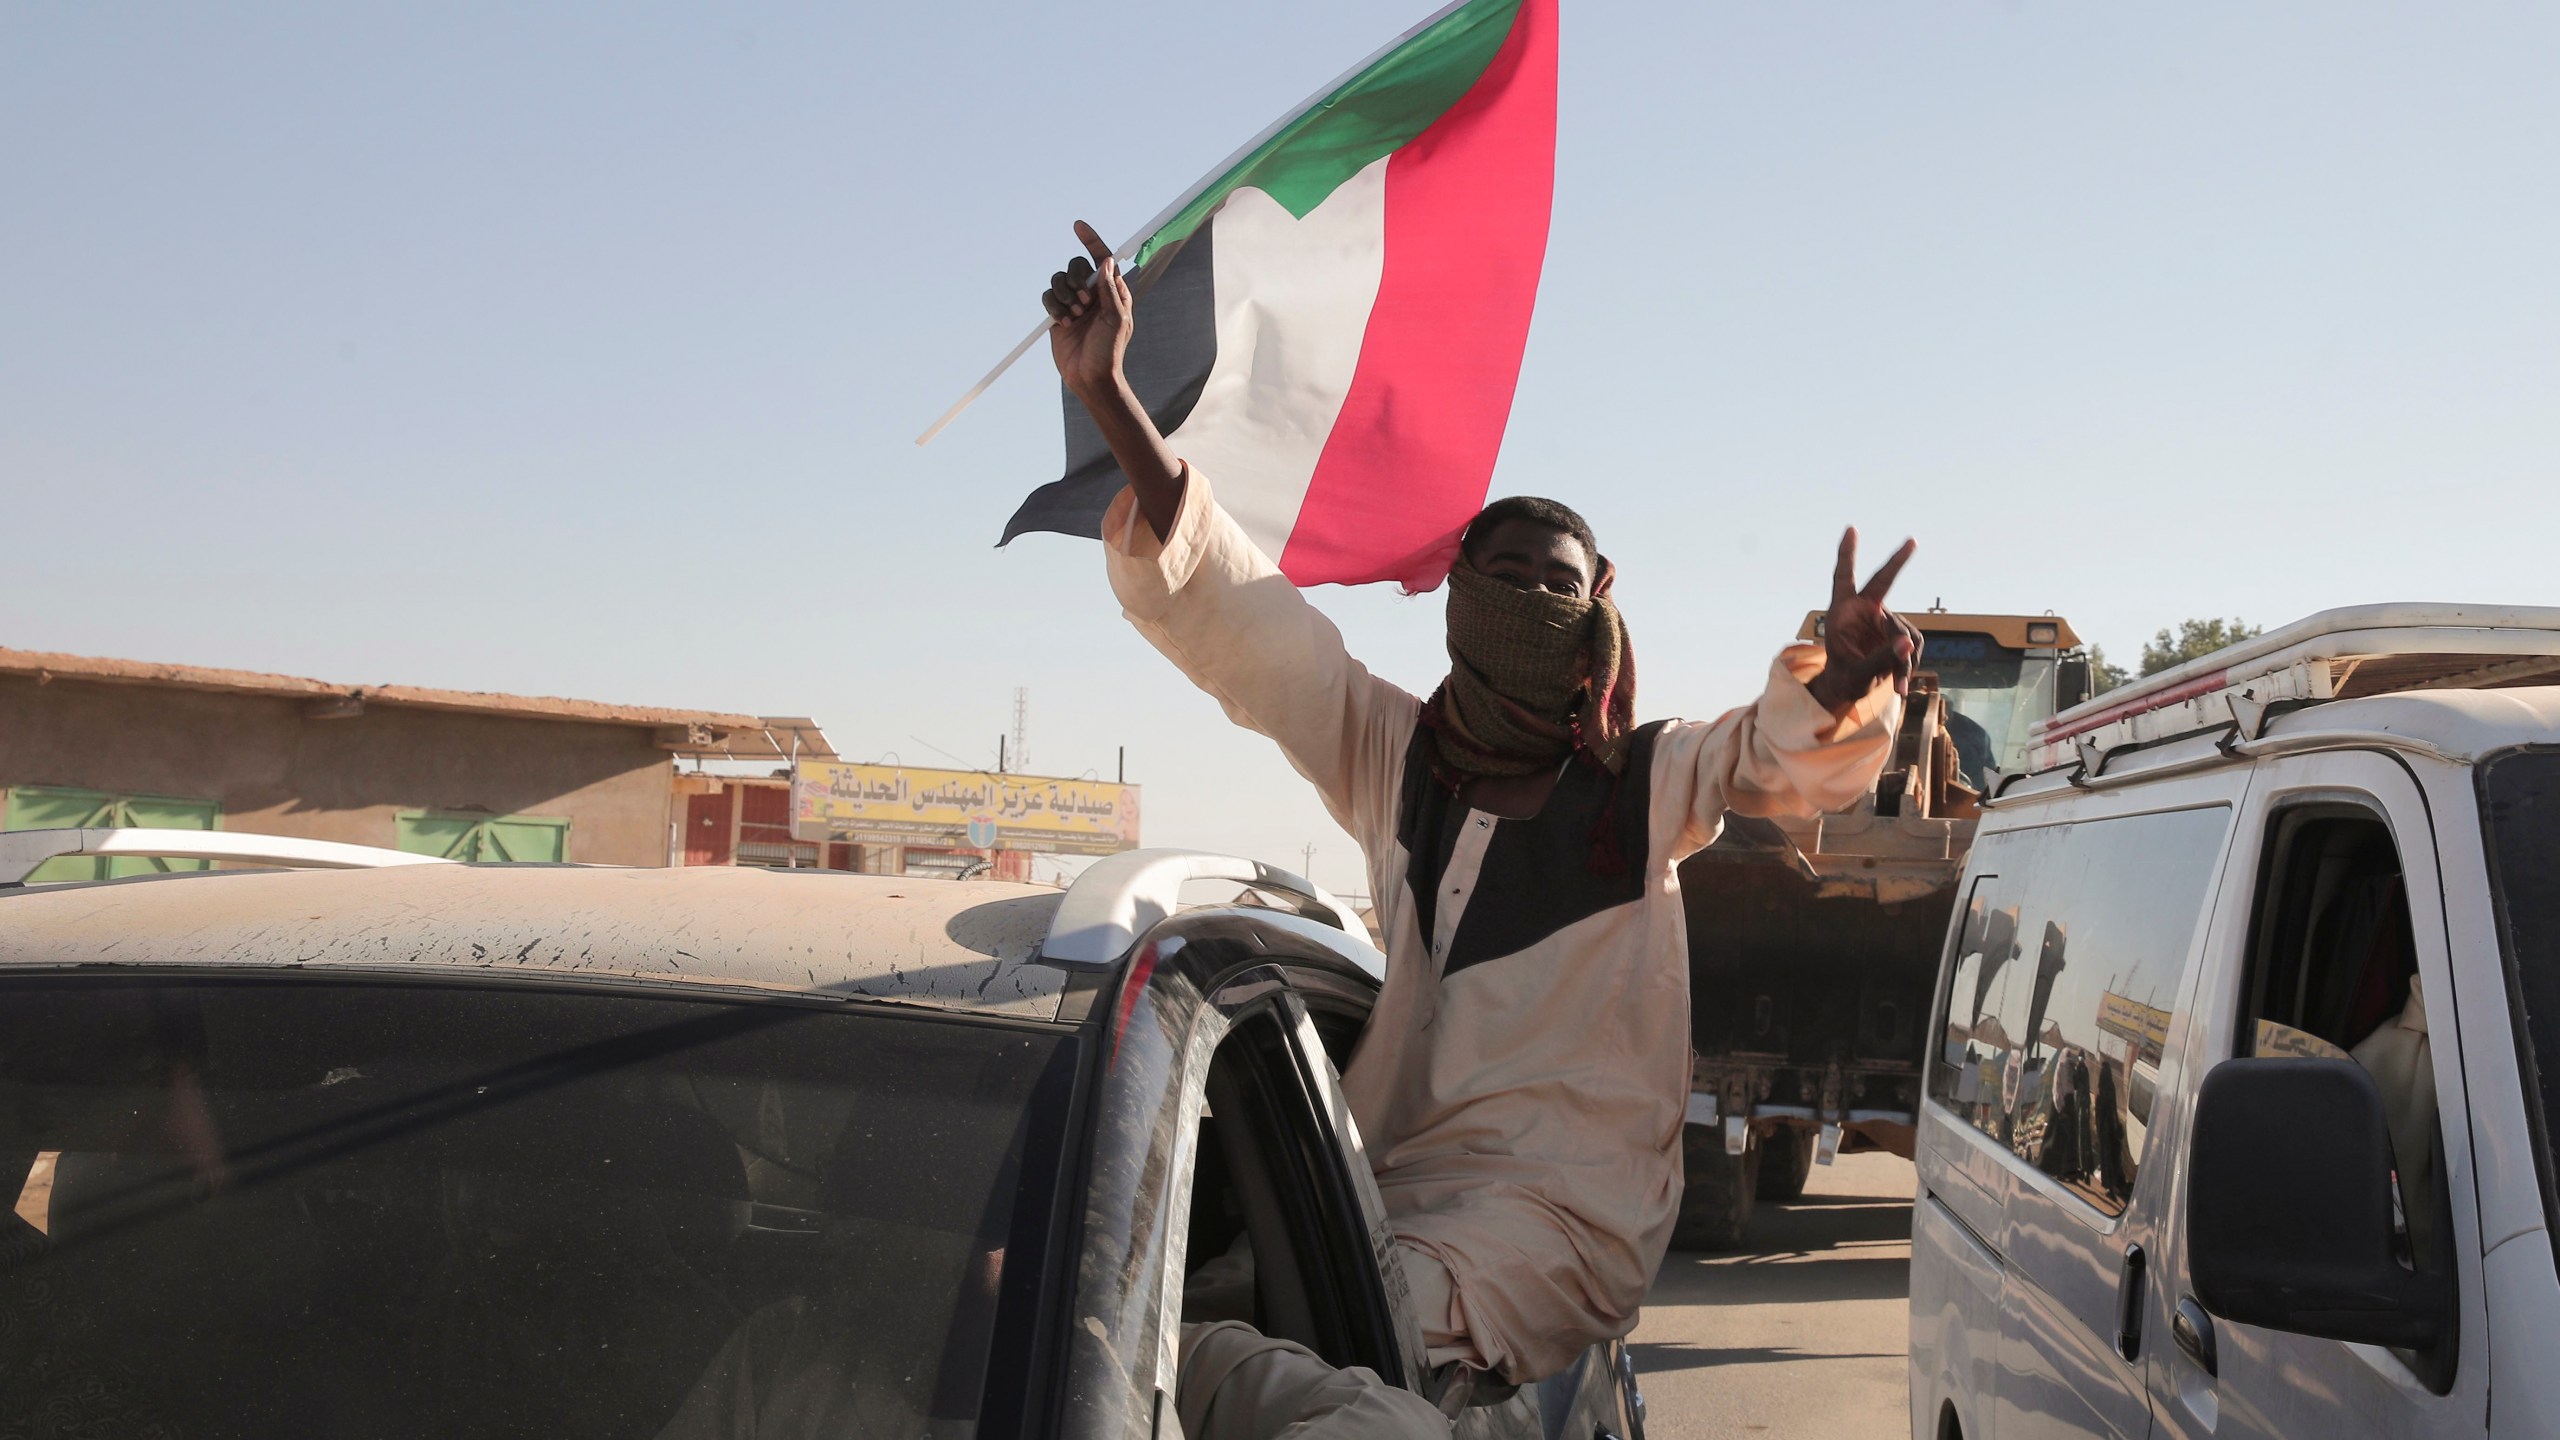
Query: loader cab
[[2001, 674]]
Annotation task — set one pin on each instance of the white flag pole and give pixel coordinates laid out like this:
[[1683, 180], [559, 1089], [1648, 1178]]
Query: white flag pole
[[965, 401], [1197, 189]]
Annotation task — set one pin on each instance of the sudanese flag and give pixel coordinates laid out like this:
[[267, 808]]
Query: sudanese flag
[[1331, 326]]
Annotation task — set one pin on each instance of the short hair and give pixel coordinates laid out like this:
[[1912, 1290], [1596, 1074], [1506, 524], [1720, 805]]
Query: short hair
[[1537, 511]]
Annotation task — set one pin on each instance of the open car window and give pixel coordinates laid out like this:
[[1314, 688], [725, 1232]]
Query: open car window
[[1276, 1235]]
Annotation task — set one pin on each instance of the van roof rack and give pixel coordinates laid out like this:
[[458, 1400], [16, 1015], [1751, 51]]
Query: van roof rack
[[2340, 654], [21, 851]]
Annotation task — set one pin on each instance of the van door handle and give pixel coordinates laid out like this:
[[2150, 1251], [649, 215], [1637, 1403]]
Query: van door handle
[[2193, 1330], [2129, 1304]]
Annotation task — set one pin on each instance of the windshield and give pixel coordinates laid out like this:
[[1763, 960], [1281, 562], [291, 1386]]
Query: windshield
[[1995, 695], [268, 1209], [2520, 801]]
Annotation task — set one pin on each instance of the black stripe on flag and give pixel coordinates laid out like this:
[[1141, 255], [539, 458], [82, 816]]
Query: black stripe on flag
[[1167, 363]]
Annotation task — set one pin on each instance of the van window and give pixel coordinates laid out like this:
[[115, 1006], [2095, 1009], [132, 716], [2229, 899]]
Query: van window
[[2333, 974], [2064, 982], [2520, 809]]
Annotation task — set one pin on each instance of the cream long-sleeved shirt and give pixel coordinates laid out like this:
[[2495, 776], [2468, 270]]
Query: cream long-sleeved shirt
[[1522, 1082]]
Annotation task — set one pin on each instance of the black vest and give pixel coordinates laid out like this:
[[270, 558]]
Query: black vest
[[1538, 875]]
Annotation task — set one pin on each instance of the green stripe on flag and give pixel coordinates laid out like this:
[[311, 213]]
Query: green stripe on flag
[[1373, 114]]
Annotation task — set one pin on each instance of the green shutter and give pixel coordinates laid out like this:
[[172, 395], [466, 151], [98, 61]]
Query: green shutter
[[525, 838], [485, 839], [43, 807], [447, 835]]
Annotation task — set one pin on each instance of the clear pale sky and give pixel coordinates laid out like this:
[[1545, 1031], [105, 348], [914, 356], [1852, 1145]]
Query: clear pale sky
[[578, 350]]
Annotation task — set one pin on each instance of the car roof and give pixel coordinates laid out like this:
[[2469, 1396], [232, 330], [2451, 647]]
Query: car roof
[[957, 945], [2462, 724]]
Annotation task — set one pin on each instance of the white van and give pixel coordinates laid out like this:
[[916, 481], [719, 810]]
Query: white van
[[2248, 1032]]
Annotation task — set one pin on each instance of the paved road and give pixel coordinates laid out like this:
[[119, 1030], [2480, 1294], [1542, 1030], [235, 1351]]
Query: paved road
[[1800, 1335]]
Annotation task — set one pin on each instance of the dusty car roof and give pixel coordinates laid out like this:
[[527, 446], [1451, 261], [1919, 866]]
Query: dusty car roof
[[2464, 724], [959, 945]]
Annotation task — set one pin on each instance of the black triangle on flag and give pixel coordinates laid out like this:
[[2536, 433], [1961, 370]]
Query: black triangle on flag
[[1168, 362]]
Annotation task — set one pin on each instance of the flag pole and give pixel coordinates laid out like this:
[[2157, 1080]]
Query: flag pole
[[1200, 187], [965, 401]]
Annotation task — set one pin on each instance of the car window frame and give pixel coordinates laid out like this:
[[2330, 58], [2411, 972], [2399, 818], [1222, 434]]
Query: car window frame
[[1338, 1216], [1157, 1020]]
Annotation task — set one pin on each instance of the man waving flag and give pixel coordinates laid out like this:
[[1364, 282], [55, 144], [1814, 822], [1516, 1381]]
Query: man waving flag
[[1333, 322]]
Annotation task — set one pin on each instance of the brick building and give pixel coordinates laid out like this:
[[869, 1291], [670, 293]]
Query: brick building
[[90, 741]]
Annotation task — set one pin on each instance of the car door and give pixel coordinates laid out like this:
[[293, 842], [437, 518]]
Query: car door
[[2339, 868], [2110, 909]]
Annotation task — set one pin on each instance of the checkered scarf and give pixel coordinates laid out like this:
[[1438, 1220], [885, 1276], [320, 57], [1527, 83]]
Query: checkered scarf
[[1533, 677]]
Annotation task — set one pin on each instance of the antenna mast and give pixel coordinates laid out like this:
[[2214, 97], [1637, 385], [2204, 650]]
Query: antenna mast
[[1021, 727]]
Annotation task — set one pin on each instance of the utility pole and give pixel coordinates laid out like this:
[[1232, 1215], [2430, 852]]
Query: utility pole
[[1307, 867], [1022, 727]]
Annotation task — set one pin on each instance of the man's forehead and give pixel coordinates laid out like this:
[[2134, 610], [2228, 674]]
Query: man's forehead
[[1530, 539]]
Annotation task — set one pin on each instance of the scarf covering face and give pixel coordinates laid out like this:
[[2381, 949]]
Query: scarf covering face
[[1533, 677]]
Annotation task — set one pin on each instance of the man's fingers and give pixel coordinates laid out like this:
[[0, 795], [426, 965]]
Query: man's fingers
[[1893, 658], [1093, 245], [1844, 573], [1882, 580]]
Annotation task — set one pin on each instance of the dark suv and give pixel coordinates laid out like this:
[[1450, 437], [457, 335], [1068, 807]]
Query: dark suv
[[570, 1152]]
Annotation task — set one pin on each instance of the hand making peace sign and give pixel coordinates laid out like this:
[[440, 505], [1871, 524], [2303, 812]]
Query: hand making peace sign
[[1861, 639]]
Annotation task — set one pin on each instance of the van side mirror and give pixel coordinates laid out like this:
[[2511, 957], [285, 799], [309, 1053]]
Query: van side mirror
[[2289, 1207]]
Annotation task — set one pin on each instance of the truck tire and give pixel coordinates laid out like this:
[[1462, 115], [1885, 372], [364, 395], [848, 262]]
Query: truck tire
[[1715, 1204], [1786, 1162]]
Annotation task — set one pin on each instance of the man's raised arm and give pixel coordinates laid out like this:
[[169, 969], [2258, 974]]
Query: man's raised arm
[[1201, 592]]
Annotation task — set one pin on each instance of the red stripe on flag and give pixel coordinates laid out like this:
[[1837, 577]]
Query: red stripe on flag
[[1407, 462]]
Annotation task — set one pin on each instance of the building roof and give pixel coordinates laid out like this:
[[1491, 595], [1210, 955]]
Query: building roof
[[686, 732], [950, 944]]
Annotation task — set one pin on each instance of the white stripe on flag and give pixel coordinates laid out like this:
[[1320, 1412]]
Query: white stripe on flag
[[1293, 302]]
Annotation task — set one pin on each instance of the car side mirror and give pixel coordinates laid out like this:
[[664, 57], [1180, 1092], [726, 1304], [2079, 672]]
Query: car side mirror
[[2289, 1207]]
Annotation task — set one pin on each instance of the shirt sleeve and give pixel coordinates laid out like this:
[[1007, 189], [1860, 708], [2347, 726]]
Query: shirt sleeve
[[1782, 754], [1239, 1384], [1219, 609]]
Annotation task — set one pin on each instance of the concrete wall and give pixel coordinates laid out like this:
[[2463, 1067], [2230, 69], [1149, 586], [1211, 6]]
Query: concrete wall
[[276, 772]]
